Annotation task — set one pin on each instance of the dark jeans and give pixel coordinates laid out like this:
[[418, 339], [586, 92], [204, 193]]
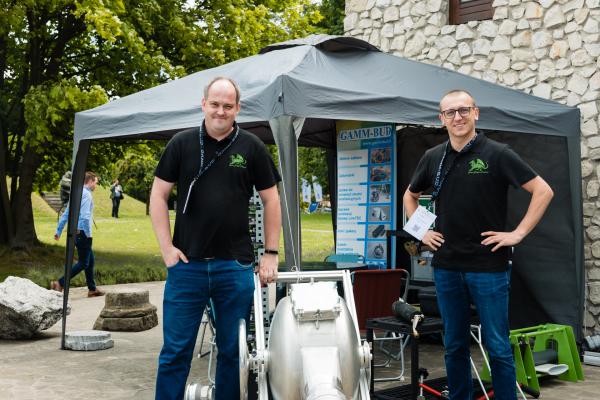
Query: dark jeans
[[85, 261], [116, 202], [189, 287], [488, 291]]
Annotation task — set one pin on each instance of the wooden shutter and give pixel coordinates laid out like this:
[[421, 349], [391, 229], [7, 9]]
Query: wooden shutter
[[462, 11]]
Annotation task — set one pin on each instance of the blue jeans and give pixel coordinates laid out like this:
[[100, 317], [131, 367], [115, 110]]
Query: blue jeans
[[488, 291], [85, 261], [230, 286]]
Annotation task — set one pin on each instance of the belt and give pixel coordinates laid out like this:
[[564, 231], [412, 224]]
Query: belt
[[202, 259]]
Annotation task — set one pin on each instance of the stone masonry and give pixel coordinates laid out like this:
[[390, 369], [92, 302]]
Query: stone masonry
[[127, 310], [548, 48]]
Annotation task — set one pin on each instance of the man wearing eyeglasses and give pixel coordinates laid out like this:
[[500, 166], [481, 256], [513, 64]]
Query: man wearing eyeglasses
[[469, 176], [211, 255]]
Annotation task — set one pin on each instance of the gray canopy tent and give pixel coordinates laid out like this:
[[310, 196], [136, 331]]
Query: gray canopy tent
[[292, 94]]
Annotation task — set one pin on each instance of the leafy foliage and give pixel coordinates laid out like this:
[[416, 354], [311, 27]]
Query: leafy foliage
[[312, 161], [135, 170], [333, 12], [49, 110], [58, 57]]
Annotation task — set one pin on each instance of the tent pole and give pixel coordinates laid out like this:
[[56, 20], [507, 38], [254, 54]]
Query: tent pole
[[286, 130], [78, 175], [332, 177], [574, 149]]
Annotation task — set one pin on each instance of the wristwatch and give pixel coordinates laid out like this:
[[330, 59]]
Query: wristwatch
[[269, 251]]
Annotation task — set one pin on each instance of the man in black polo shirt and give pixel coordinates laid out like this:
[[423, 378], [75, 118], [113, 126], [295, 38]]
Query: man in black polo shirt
[[211, 255], [469, 175]]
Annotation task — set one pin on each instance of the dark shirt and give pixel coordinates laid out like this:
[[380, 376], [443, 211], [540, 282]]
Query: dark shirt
[[472, 200], [216, 220]]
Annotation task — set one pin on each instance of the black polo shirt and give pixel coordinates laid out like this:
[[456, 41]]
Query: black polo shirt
[[216, 220], [472, 200]]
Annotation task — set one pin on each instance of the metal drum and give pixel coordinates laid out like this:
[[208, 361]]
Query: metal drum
[[314, 351]]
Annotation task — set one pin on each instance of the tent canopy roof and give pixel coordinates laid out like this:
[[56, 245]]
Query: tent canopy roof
[[309, 83], [324, 78]]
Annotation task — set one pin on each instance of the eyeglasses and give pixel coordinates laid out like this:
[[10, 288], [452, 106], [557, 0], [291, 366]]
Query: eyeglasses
[[451, 113]]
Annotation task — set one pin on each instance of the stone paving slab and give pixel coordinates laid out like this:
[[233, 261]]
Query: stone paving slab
[[38, 369], [90, 340]]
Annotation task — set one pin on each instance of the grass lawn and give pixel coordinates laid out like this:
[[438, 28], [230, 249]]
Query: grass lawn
[[125, 248]]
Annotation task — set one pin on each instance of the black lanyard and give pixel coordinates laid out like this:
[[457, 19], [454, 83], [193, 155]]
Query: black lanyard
[[439, 179], [203, 168]]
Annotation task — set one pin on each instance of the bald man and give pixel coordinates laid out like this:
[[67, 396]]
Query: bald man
[[210, 256], [470, 175]]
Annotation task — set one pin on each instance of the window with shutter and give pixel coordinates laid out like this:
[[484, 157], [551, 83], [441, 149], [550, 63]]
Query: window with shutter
[[462, 11]]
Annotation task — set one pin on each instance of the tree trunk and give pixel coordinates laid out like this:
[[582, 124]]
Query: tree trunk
[[25, 236], [6, 222], [28, 163]]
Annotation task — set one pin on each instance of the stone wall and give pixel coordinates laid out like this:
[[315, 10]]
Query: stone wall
[[548, 48]]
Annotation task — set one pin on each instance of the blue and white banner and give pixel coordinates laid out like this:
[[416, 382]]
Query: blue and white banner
[[366, 161], [318, 189], [306, 191]]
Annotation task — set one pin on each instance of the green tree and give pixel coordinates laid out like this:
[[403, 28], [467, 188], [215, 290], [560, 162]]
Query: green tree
[[333, 12], [135, 171], [312, 161], [58, 57]]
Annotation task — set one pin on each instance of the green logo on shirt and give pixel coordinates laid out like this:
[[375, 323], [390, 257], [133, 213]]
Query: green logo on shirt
[[478, 166], [237, 160]]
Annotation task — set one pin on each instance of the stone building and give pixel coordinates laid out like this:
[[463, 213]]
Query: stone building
[[548, 48]]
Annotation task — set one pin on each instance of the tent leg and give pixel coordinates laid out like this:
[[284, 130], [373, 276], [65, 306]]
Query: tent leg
[[75, 202], [286, 130]]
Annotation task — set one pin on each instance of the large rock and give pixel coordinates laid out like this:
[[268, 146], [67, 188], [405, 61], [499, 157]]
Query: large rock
[[26, 308], [127, 310]]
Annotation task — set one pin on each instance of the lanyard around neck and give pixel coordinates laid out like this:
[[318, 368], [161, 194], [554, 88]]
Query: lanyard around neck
[[218, 154], [204, 168], [439, 178]]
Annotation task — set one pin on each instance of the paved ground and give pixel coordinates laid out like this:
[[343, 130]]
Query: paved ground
[[38, 369]]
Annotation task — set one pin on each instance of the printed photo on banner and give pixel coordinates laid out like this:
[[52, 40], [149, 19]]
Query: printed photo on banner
[[380, 173], [381, 156], [376, 250], [377, 231], [379, 213], [380, 193]]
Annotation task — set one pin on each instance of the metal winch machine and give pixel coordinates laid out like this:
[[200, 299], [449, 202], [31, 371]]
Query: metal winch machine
[[313, 349]]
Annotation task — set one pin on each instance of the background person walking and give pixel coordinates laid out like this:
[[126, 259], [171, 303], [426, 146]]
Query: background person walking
[[116, 195], [83, 240]]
